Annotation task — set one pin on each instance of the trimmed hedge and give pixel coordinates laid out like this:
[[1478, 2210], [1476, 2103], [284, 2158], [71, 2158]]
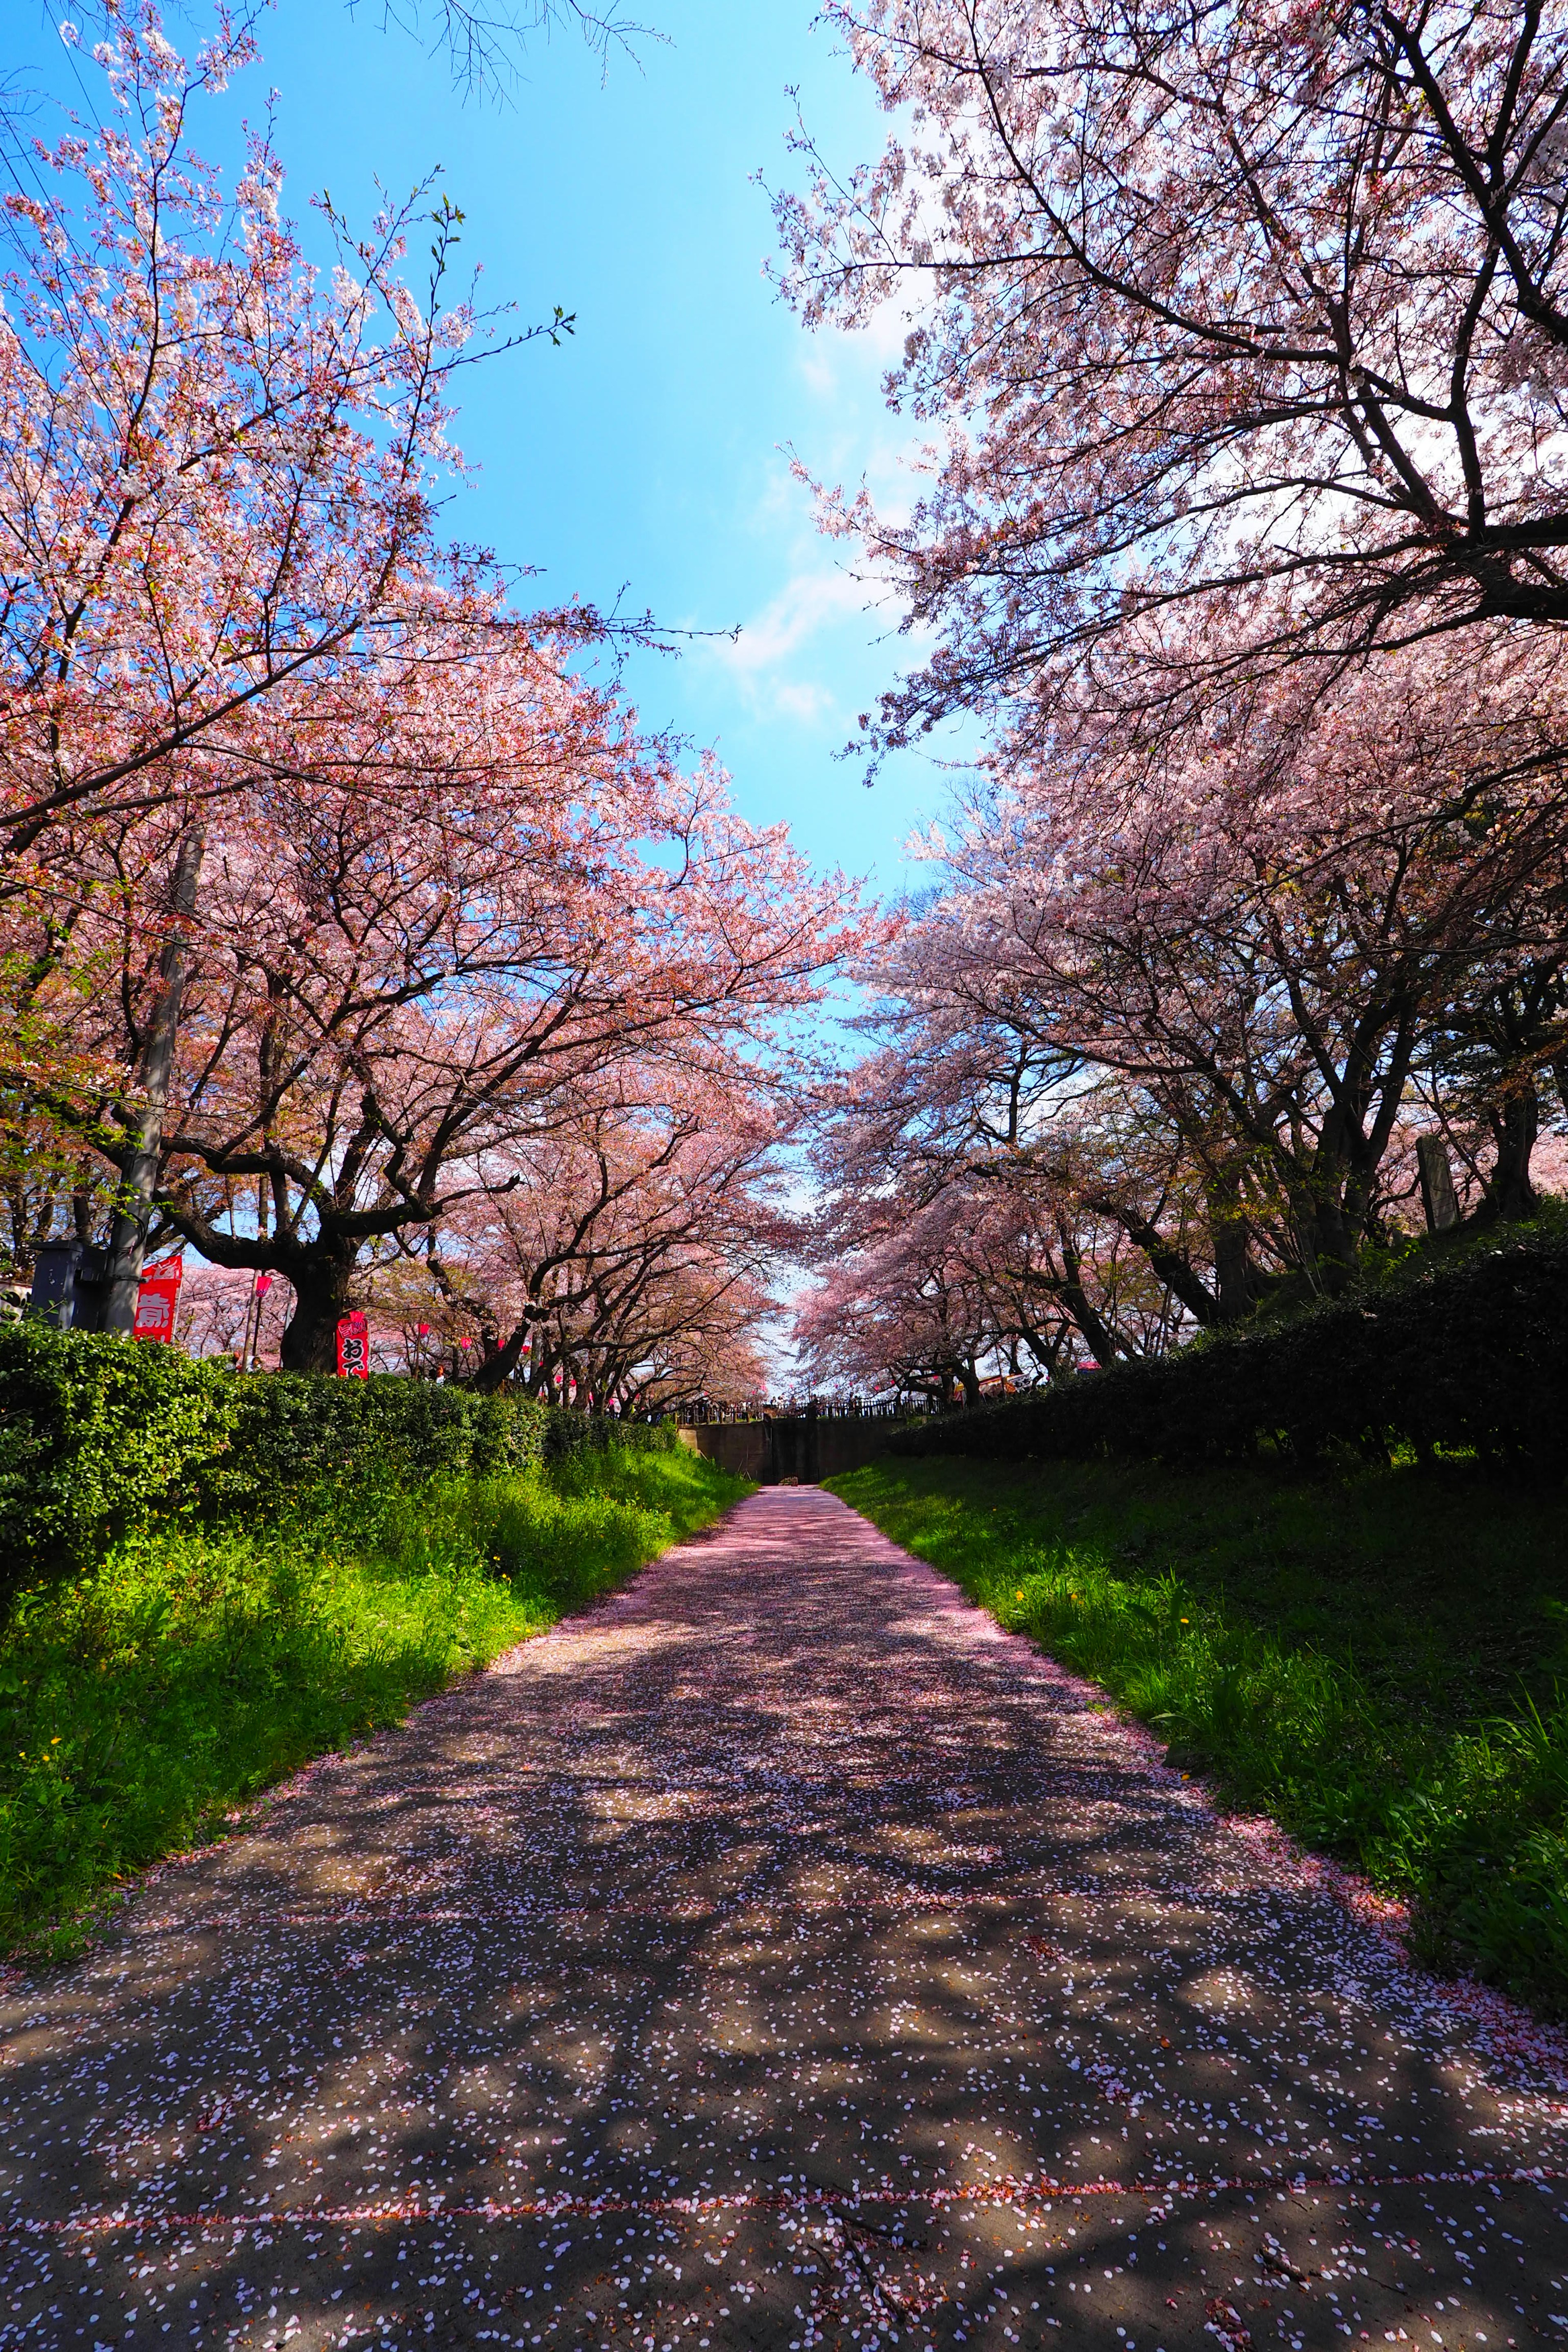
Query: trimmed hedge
[[101, 1434], [1466, 1355], [96, 1435]]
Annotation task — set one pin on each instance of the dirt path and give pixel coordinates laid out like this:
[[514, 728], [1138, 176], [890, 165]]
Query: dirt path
[[778, 1956]]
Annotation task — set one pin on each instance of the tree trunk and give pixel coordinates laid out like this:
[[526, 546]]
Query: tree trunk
[[122, 1277], [321, 1280], [1173, 1270], [501, 1359], [1333, 1244], [1514, 1123], [1090, 1323], [1234, 1287]]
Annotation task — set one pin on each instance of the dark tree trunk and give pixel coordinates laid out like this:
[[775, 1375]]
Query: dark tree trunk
[[1233, 1266], [1090, 1323], [501, 1359], [1173, 1270], [321, 1280], [1334, 1242], [1515, 1123], [128, 1243]]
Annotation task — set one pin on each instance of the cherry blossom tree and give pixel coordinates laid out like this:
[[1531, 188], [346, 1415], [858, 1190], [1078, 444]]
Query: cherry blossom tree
[[1261, 308], [218, 486], [217, 476], [1264, 922], [896, 1317], [631, 1256], [471, 897], [332, 902], [1190, 995], [955, 1249]]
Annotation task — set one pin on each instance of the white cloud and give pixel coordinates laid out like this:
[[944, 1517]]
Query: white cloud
[[805, 604], [817, 372], [816, 630], [807, 702]]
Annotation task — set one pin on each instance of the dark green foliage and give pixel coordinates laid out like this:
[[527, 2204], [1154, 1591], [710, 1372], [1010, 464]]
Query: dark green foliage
[[1375, 1656], [101, 1435], [1462, 1354], [97, 1435], [292, 1428]]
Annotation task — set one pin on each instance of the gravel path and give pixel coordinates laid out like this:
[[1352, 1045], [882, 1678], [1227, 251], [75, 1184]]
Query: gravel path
[[779, 1955]]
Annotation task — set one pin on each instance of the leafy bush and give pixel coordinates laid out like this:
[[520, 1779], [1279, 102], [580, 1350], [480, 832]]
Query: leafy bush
[[1467, 1354], [102, 1435], [96, 1435]]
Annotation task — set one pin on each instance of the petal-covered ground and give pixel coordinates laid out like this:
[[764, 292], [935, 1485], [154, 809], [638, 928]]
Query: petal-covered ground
[[778, 1954]]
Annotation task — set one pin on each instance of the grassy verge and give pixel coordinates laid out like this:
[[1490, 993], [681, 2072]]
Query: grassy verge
[[1378, 1659], [140, 1703]]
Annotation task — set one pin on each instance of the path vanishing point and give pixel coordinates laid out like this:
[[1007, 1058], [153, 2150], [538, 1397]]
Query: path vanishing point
[[778, 1954]]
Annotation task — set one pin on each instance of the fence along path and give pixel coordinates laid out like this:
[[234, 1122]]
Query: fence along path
[[778, 1954]]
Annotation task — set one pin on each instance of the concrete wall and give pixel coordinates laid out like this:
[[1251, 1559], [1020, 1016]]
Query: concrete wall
[[767, 1450]]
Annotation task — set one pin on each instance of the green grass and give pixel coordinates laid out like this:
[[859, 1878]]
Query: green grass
[[143, 1702], [1376, 1658]]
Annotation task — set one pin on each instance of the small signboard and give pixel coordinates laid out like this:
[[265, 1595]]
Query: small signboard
[[353, 1348], [156, 1300], [67, 1275]]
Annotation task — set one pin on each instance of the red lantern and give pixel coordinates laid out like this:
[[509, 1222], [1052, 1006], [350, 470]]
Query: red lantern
[[422, 1330], [263, 1285]]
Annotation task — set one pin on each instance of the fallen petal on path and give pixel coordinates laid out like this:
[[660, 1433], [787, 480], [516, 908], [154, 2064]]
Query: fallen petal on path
[[777, 1954]]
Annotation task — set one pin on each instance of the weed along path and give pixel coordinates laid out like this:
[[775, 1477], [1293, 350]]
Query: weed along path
[[777, 1954]]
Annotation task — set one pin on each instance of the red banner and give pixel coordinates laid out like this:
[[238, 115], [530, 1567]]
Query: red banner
[[156, 1300], [353, 1348]]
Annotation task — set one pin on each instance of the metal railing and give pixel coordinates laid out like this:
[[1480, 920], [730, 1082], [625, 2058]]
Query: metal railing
[[703, 1412]]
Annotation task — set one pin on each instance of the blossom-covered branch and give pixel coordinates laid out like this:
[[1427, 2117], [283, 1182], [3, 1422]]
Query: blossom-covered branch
[[1260, 309]]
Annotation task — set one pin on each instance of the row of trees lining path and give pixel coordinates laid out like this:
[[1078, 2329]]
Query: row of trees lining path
[[352, 931], [1236, 342]]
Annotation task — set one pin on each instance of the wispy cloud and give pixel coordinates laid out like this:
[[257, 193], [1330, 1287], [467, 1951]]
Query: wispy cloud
[[803, 606], [787, 656]]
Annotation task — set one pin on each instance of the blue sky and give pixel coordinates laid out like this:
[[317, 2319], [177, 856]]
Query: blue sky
[[648, 452]]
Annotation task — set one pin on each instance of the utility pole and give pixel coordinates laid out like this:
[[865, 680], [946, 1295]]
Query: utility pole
[[123, 1275]]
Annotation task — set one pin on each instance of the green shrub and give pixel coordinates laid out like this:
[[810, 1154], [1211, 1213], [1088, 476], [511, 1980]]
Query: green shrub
[[1462, 1354], [291, 1429], [99, 1436]]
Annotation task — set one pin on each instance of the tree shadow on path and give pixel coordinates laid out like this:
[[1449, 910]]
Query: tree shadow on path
[[777, 1954]]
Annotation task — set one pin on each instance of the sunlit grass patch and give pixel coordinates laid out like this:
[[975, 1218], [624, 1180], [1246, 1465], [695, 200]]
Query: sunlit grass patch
[[1377, 1658], [140, 1703]]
